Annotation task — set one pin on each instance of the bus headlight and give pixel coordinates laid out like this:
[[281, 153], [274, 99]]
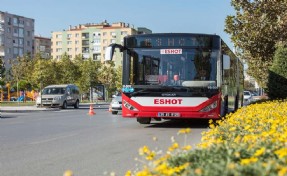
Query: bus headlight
[[209, 107], [129, 106]]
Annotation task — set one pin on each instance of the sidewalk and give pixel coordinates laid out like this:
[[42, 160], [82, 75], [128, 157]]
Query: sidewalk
[[34, 108], [26, 109]]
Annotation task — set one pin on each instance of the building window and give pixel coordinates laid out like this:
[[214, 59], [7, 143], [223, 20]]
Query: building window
[[59, 36], [69, 42], [9, 29], [97, 48], [69, 35], [9, 21], [28, 33], [77, 42], [97, 41], [59, 43], [9, 50], [58, 49], [77, 35], [15, 51], [96, 57], [15, 21], [113, 34], [105, 41], [69, 49], [28, 43], [85, 42], [15, 30], [21, 32], [85, 50], [21, 41], [104, 33], [21, 52], [113, 40], [85, 35], [76, 49], [124, 33]]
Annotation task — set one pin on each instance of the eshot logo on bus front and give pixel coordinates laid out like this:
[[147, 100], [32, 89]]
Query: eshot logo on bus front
[[167, 101], [171, 51]]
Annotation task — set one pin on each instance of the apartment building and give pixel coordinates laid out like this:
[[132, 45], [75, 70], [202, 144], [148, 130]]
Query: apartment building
[[16, 36], [42, 46], [90, 40]]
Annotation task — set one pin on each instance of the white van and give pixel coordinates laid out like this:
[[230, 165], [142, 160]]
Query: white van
[[59, 96]]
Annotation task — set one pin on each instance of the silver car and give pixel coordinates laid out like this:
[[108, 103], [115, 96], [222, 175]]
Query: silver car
[[59, 96], [248, 97], [116, 105]]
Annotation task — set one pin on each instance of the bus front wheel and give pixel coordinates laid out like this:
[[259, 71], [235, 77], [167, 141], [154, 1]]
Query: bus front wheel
[[144, 120]]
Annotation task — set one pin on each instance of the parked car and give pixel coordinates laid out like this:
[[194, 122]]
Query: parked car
[[116, 104], [59, 96], [248, 97]]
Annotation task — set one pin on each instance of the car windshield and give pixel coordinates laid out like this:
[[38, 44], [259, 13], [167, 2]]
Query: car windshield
[[118, 98], [54, 90], [247, 93]]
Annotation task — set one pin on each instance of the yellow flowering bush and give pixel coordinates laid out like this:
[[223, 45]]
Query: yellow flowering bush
[[251, 141]]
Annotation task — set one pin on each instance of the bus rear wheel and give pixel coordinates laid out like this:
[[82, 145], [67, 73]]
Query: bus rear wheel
[[144, 120]]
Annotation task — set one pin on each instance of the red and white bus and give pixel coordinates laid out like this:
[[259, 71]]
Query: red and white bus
[[178, 76]]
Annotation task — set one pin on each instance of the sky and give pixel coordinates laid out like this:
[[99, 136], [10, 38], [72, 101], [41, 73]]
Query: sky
[[161, 16]]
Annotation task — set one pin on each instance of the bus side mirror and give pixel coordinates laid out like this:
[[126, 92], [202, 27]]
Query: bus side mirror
[[109, 53], [226, 62]]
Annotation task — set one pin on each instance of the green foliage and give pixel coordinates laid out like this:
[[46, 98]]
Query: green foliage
[[277, 82], [109, 77], [255, 29], [2, 69], [38, 72], [68, 71], [89, 72], [119, 75]]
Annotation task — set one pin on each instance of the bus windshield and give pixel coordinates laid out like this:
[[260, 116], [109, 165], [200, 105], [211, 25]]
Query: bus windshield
[[174, 67]]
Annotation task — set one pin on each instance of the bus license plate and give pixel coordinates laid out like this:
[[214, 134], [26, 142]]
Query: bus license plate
[[168, 114]]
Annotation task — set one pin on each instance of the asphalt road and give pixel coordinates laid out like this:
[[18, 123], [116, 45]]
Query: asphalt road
[[48, 143]]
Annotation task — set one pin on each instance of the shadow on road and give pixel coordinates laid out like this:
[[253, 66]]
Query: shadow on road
[[4, 116], [188, 123]]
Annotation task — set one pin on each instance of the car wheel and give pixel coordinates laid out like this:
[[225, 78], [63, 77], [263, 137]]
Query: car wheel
[[64, 105], [77, 104], [114, 112], [144, 120]]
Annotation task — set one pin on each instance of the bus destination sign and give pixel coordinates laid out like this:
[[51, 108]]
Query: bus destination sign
[[151, 41], [171, 51]]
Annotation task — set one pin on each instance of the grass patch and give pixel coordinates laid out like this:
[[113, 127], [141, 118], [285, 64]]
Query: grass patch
[[16, 103]]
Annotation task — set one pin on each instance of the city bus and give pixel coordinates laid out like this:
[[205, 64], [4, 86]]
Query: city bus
[[178, 76]]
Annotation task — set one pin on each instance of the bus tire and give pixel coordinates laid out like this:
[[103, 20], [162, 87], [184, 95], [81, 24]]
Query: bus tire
[[144, 120]]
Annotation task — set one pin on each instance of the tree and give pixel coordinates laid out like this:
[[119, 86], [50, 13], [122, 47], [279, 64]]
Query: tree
[[89, 73], [69, 70], [45, 73], [109, 77], [2, 71], [255, 29], [277, 82], [119, 75]]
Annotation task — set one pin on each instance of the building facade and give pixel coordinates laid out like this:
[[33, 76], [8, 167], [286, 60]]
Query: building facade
[[90, 40], [42, 46], [16, 36]]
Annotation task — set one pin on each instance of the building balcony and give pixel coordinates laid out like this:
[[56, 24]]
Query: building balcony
[[96, 51]]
